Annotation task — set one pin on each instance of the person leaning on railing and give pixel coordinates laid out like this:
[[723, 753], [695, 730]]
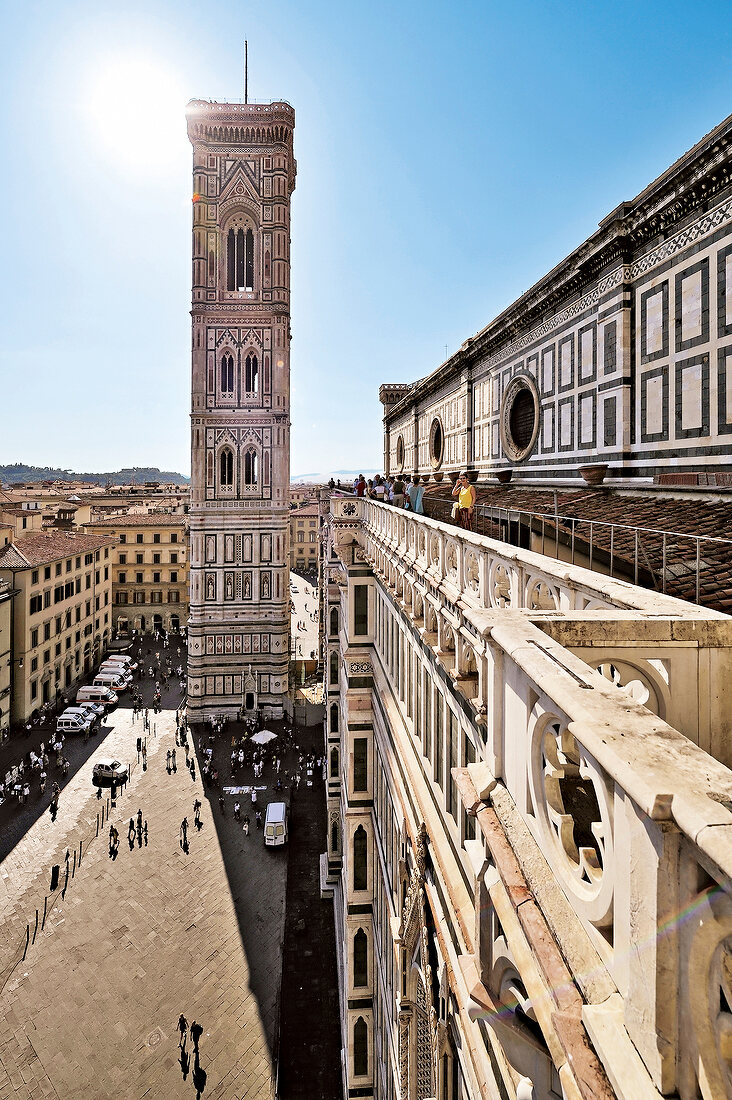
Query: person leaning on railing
[[465, 506]]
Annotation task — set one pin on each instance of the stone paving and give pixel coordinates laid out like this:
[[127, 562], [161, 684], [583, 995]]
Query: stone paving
[[305, 601], [93, 1009]]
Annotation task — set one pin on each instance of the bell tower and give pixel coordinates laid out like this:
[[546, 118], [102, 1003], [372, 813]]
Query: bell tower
[[239, 627]]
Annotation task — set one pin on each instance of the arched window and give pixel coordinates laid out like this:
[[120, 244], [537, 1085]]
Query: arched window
[[227, 373], [333, 678], [334, 837], [334, 762], [251, 374], [359, 859], [360, 958], [334, 620], [360, 1048], [250, 467], [240, 259], [334, 718], [227, 466]]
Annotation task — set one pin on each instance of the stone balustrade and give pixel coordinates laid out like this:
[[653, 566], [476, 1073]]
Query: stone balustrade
[[593, 702]]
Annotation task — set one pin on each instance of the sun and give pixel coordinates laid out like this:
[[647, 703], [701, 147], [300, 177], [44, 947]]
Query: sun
[[135, 106]]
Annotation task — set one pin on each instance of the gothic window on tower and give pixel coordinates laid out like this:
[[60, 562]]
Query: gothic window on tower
[[227, 374], [240, 259], [251, 374], [226, 468], [250, 467]]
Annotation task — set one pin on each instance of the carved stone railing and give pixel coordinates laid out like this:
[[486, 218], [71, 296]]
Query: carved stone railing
[[578, 750]]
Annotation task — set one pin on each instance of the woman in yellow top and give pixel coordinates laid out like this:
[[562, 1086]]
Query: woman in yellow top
[[465, 493]]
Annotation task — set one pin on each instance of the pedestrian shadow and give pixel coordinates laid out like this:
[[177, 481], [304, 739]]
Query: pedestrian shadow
[[199, 1076], [185, 1062]]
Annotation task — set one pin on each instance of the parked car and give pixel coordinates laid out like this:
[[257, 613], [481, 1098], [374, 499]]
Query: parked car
[[72, 723], [121, 659], [275, 824], [117, 670], [109, 771], [96, 710], [110, 680], [97, 693], [84, 714]]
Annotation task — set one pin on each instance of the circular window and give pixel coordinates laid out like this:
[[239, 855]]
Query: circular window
[[400, 453], [437, 443], [519, 417]]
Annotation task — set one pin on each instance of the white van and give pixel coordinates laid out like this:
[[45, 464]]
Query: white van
[[120, 659], [110, 680], [275, 824], [97, 694], [83, 714], [116, 670], [72, 723]]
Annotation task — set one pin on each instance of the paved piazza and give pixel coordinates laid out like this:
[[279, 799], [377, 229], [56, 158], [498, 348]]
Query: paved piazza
[[93, 1010]]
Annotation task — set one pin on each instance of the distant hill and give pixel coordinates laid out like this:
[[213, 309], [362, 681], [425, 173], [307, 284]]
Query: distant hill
[[323, 478], [136, 475]]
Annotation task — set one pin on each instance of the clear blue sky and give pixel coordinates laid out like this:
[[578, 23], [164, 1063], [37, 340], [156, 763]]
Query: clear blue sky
[[448, 156]]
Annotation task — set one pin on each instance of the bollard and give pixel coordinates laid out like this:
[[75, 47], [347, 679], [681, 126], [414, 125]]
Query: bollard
[[45, 904], [27, 939], [35, 930]]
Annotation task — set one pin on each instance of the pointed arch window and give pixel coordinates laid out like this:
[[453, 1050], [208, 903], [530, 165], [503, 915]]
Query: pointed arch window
[[226, 467], [227, 373], [360, 1048], [360, 958], [250, 467], [240, 259], [360, 878], [251, 374]]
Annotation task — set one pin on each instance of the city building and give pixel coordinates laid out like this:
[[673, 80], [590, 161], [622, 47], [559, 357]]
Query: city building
[[529, 786], [304, 522], [243, 177], [6, 653], [62, 613], [304, 493], [149, 571]]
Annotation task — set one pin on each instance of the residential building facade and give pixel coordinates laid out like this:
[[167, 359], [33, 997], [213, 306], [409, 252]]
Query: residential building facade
[[62, 613], [6, 654], [304, 542], [149, 572], [243, 177]]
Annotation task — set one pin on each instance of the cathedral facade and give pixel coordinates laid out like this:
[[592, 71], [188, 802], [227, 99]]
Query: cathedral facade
[[243, 177]]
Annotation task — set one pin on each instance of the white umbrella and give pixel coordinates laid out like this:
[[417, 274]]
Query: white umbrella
[[264, 737]]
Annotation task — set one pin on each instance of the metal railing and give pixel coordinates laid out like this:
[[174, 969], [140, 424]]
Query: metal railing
[[654, 555]]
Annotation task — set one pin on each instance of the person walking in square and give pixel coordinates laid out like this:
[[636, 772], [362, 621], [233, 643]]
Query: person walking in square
[[196, 1033], [183, 1029], [172, 760], [184, 833], [197, 813]]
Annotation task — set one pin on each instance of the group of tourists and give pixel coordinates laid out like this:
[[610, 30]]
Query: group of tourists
[[406, 491], [401, 491]]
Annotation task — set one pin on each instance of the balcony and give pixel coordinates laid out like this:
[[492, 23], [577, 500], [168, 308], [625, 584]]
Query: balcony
[[601, 714]]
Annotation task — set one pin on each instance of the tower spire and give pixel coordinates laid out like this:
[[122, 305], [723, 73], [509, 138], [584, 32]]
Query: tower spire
[[246, 71]]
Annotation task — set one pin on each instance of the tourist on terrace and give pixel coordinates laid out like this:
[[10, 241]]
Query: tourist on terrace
[[397, 498], [465, 493], [415, 492]]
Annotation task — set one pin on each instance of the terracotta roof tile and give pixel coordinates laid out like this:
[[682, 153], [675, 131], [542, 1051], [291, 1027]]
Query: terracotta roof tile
[[38, 549]]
